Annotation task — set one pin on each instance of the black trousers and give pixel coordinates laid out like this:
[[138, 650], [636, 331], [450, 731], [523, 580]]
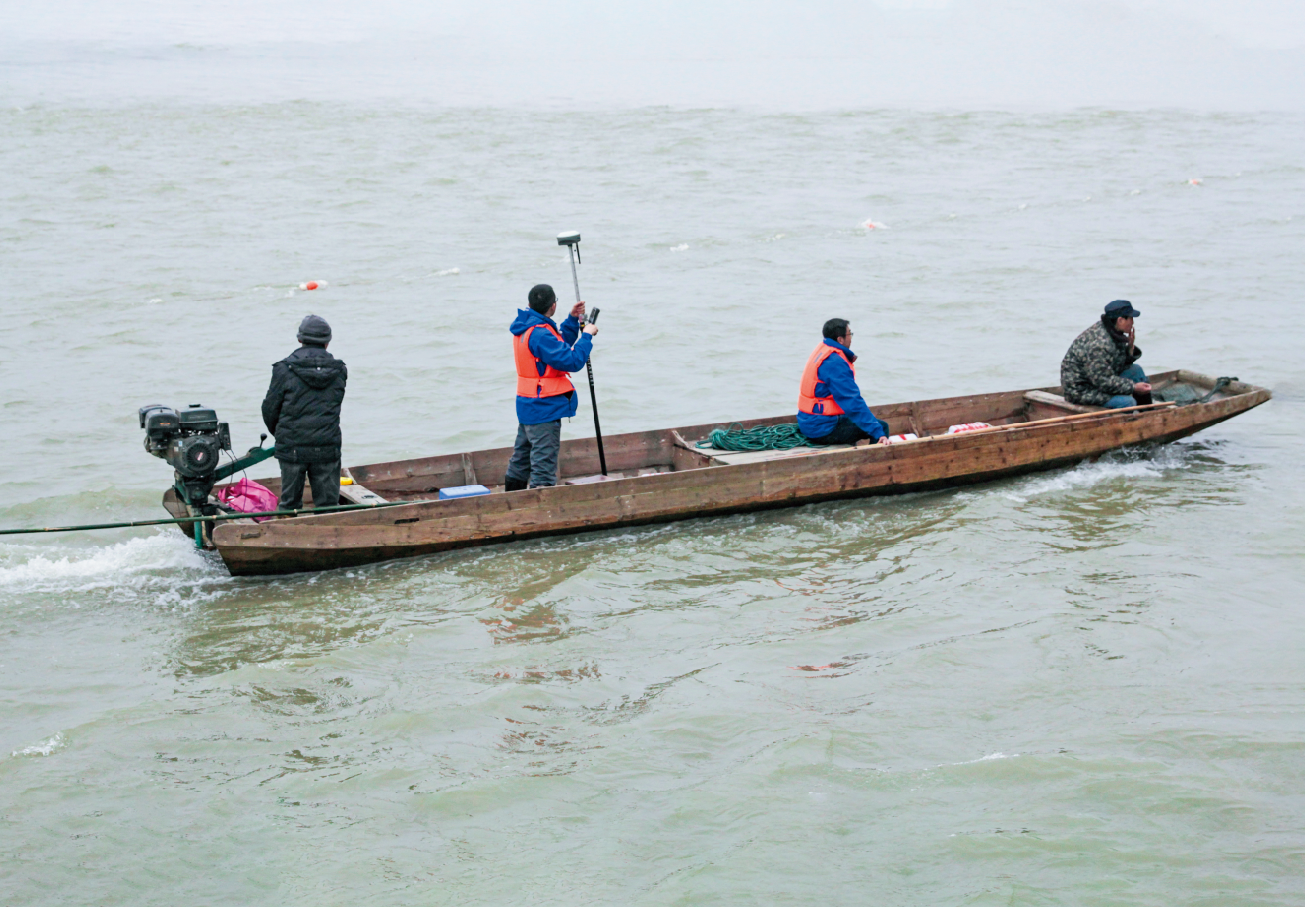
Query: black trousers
[[845, 432], [324, 477]]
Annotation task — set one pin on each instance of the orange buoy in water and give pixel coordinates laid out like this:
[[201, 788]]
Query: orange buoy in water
[[312, 285]]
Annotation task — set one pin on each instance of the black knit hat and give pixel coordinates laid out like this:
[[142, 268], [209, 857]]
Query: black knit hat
[[314, 330], [542, 298]]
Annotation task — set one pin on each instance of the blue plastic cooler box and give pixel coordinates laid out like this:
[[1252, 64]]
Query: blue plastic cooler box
[[462, 491]]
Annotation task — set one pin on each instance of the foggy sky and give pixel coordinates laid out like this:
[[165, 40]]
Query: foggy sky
[[818, 54]]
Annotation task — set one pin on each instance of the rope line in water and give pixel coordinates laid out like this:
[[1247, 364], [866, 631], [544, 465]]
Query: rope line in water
[[784, 436], [209, 519]]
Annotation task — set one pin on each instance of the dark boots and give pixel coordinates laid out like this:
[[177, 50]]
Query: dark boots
[[511, 484], [1143, 399]]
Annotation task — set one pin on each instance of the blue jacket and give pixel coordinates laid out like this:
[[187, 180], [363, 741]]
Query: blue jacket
[[834, 379], [570, 356]]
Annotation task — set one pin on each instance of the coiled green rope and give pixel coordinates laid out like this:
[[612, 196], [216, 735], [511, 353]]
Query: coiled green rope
[[784, 436]]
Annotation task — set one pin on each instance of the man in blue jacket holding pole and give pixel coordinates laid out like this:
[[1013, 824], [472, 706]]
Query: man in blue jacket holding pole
[[544, 355], [830, 407]]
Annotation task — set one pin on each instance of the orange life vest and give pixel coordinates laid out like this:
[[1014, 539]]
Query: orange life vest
[[534, 379], [808, 402]]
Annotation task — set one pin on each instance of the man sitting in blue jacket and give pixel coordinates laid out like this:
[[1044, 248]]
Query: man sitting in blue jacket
[[830, 408], [544, 392]]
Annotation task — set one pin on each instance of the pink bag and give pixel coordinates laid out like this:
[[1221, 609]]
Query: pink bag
[[248, 497]]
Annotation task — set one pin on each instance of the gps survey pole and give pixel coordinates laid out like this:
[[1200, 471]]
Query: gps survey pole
[[572, 243]]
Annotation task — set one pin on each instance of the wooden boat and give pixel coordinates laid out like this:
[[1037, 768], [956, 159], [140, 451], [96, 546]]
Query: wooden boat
[[660, 476]]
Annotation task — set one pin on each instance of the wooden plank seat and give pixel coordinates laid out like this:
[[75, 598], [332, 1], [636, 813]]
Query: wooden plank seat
[[1046, 405], [616, 474], [739, 457], [358, 494], [349, 494]]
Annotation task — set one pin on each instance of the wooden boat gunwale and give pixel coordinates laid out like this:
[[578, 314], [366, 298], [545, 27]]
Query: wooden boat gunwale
[[695, 485]]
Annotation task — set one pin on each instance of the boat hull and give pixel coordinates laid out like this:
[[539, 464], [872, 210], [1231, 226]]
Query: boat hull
[[694, 488]]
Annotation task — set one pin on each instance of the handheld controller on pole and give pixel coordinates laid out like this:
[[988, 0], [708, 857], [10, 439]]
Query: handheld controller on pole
[[572, 243]]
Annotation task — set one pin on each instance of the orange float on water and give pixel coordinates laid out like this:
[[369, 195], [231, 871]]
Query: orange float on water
[[312, 285]]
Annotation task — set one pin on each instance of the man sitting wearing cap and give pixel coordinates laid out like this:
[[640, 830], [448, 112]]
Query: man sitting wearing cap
[[1101, 367], [302, 410], [544, 393]]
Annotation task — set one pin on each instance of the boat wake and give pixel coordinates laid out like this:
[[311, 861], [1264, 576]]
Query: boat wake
[[165, 569], [1132, 464]]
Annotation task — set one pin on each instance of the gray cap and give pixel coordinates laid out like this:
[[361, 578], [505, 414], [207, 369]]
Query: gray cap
[[314, 329]]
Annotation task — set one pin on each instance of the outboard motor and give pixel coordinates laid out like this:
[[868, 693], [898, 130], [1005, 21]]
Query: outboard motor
[[192, 442]]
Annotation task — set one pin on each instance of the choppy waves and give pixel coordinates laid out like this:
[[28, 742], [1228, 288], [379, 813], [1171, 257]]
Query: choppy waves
[[47, 747]]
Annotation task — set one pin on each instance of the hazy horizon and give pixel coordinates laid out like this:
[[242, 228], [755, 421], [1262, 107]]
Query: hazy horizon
[[1212, 55]]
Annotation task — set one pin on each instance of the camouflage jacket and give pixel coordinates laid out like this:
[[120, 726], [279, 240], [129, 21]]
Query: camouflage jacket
[[1089, 373]]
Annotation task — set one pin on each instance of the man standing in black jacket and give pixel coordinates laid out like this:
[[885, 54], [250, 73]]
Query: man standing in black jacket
[[302, 411]]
